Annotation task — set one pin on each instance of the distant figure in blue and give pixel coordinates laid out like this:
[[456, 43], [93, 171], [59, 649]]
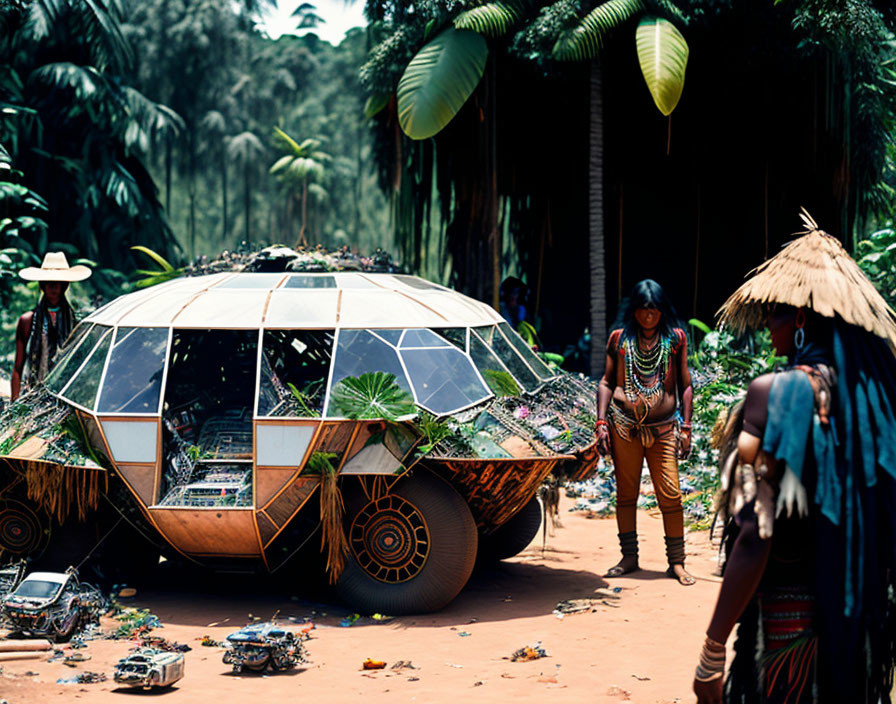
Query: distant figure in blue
[[514, 296]]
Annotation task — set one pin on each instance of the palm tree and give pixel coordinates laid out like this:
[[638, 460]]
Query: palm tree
[[214, 125], [441, 77], [79, 133], [303, 164], [246, 150]]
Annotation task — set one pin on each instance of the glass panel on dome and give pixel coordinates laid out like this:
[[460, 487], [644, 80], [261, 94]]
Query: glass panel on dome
[[527, 353], [509, 357], [133, 378], [456, 336], [309, 281], [418, 283], [83, 387], [294, 369], [444, 379], [421, 337], [210, 391], [72, 354], [499, 380], [359, 352], [393, 337], [266, 281]]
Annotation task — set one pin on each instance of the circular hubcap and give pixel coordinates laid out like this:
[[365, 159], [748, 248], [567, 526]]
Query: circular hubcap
[[390, 539], [20, 529]]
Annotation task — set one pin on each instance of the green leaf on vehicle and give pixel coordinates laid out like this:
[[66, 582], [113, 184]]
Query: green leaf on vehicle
[[371, 395], [501, 383], [439, 80]]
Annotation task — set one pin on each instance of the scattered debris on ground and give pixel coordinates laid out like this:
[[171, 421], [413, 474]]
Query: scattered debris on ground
[[529, 652]]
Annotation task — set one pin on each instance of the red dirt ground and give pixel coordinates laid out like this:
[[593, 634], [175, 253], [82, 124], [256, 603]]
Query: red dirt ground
[[639, 647]]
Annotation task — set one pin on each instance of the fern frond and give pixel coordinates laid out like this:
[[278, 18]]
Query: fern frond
[[493, 19], [585, 40]]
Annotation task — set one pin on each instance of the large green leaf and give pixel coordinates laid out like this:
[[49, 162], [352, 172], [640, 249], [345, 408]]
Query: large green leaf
[[371, 395], [585, 39], [663, 55], [438, 81], [492, 19]]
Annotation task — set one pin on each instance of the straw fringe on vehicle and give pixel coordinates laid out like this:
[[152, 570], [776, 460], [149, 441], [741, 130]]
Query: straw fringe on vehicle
[[813, 271]]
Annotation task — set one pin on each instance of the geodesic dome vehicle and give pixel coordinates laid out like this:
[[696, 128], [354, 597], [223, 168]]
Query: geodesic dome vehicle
[[219, 401]]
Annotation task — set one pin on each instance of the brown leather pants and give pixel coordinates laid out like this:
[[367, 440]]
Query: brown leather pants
[[662, 461]]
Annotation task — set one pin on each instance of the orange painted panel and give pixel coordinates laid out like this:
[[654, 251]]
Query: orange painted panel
[[268, 482], [224, 532]]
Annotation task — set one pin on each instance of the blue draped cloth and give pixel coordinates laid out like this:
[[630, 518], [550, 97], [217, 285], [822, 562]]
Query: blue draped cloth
[[852, 453]]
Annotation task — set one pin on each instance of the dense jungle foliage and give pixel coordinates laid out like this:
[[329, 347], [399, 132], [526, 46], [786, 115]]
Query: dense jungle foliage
[[180, 126]]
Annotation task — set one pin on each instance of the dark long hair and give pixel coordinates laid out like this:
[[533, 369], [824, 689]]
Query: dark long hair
[[647, 294]]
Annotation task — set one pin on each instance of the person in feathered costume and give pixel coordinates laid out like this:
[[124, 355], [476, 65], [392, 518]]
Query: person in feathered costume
[[809, 491]]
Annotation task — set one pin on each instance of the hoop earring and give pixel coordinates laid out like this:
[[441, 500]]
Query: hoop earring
[[799, 337]]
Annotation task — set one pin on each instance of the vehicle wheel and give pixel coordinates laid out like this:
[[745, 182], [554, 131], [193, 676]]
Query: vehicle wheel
[[23, 531], [280, 664], [66, 636], [410, 550], [257, 668], [514, 536]]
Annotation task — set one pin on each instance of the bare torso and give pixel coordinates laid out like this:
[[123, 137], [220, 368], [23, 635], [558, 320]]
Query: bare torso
[[662, 408]]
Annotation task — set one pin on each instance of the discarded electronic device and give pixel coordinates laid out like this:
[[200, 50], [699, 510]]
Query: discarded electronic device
[[10, 576], [52, 604], [261, 644], [150, 667], [209, 405]]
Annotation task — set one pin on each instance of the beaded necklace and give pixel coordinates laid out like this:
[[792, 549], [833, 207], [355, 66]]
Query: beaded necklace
[[645, 372]]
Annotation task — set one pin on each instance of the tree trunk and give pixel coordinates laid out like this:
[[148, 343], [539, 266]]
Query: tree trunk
[[596, 245], [223, 198], [302, 241], [168, 158], [246, 198], [192, 193], [494, 232]]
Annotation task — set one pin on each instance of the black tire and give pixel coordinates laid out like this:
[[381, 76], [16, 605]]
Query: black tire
[[411, 551], [66, 636], [257, 668], [514, 536]]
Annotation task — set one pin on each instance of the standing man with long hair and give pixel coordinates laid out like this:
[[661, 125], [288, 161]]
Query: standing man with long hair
[[41, 332], [644, 412]]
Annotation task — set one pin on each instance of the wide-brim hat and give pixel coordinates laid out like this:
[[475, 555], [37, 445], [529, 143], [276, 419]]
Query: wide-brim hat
[[814, 272], [55, 268]]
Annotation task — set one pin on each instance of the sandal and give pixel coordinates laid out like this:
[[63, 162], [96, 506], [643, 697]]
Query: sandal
[[685, 579]]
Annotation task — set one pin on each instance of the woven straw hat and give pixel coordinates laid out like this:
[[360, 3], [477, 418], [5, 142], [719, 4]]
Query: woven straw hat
[[55, 268], [814, 272]]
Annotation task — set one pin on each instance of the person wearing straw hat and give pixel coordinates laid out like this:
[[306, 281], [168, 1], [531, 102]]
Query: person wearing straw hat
[[809, 491], [41, 332]]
